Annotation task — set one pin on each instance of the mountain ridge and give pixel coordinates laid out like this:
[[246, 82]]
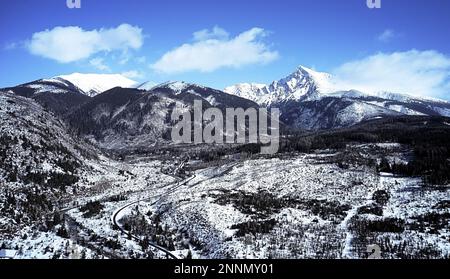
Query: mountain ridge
[[307, 99], [311, 100], [303, 80]]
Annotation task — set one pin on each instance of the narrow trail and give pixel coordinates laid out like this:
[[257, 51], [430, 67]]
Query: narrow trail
[[348, 251]]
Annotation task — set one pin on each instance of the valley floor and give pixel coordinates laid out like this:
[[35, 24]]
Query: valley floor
[[297, 206]]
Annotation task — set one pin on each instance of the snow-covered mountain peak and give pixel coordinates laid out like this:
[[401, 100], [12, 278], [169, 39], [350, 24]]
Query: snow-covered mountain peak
[[307, 84], [176, 86], [324, 81], [51, 85], [304, 83], [94, 84], [303, 71], [251, 91]]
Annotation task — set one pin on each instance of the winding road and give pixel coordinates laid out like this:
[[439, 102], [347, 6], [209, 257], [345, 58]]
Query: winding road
[[134, 237], [115, 219], [157, 198]]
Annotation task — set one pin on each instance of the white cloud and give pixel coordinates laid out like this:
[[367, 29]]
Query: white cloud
[[217, 33], [419, 73], [99, 64], [125, 57], [386, 36], [10, 46], [72, 43], [214, 49]]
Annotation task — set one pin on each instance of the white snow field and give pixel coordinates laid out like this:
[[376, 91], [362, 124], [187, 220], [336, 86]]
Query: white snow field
[[297, 207]]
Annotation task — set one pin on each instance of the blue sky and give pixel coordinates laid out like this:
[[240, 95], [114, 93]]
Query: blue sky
[[259, 40]]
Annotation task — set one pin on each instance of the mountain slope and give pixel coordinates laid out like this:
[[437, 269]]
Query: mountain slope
[[65, 93], [127, 118], [57, 95], [213, 97], [96, 114], [311, 100], [330, 113], [40, 162]]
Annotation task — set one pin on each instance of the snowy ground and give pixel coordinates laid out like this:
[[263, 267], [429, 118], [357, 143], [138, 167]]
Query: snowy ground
[[297, 207], [331, 226]]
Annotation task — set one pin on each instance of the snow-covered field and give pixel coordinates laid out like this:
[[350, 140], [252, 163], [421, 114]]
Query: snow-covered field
[[294, 208], [300, 206]]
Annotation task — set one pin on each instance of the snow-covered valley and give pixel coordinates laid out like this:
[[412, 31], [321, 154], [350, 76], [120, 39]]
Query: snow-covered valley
[[300, 206], [97, 177]]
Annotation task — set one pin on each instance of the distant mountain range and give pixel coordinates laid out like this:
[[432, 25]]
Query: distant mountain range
[[311, 100], [115, 112], [121, 117]]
